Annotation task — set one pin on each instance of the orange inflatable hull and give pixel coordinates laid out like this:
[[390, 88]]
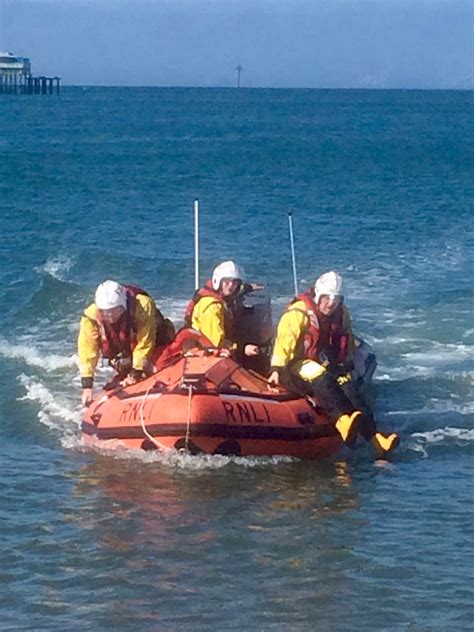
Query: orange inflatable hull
[[212, 405]]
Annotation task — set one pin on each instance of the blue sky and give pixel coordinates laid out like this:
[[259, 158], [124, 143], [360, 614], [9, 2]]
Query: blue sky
[[280, 43]]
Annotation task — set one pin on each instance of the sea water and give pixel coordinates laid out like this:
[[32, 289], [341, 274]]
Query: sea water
[[99, 183]]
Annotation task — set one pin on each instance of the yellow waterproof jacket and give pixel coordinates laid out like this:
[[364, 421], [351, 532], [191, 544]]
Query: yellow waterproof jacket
[[209, 317], [89, 342], [289, 341]]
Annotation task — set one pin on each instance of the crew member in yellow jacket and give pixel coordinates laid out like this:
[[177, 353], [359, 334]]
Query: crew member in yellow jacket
[[210, 310], [121, 325], [313, 353]]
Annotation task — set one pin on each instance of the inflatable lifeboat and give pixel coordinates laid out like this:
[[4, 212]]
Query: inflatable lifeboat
[[206, 403]]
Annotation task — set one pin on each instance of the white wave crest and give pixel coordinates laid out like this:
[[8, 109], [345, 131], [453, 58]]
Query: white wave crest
[[465, 376], [57, 267], [452, 406], [182, 460], [426, 359], [387, 374], [35, 357], [440, 354], [436, 407], [53, 411], [460, 435]]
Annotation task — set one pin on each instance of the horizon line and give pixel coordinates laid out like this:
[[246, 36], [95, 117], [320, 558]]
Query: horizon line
[[194, 87]]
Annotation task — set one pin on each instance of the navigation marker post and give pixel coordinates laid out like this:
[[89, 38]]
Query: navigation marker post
[[239, 69]]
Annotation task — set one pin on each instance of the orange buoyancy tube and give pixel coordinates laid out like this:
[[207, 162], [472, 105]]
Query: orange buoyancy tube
[[233, 412], [324, 335]]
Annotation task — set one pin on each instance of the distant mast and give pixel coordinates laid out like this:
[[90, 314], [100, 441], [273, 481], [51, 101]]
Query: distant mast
[[239, 70]]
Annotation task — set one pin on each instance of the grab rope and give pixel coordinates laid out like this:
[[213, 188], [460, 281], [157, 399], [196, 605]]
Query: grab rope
[[188, 423], [142, 422]]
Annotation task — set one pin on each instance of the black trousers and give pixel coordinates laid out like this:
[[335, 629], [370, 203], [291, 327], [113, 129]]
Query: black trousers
[[368, 427], [335, 400]]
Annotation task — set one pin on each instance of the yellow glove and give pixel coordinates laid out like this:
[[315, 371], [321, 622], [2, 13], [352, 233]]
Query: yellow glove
[[309, 370], [344, 379]]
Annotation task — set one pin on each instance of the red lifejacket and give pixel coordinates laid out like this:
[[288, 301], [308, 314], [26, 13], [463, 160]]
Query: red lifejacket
[[324, 338], [208, 290], [184, 340], [121, 337]]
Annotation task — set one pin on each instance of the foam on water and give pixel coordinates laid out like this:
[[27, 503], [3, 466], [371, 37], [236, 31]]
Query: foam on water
[[36, 357], [388, 374], [467, 376], [450, 406], [441, 354], [55, 411], [436, 409], [180, 459], [57, 267], [445, 435], [418, 357]]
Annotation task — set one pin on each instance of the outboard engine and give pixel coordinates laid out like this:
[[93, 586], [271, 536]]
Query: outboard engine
[[365, 364], [253, 324]]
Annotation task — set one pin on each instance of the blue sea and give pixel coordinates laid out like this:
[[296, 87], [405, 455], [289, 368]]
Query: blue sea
[[100, 183]]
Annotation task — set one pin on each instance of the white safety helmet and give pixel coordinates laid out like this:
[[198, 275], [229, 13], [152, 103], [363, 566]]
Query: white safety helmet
[[328, 284], [227, 270], [110, 294]]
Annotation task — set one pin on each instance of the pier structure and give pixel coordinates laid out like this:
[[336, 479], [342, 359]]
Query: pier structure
[[16, 77]]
